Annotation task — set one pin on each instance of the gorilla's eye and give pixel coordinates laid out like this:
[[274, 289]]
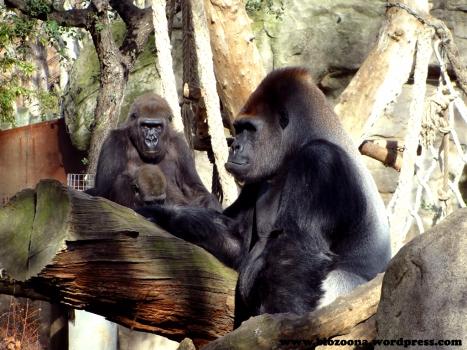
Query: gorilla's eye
[[245, 125], [283, 118]]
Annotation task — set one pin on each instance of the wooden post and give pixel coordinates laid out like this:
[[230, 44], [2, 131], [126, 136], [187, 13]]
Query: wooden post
[[164, 61], [211, 99]]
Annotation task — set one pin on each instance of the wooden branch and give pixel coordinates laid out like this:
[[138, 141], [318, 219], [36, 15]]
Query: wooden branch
[[237, 62], [207, 81], [342, 317], [400, 206], [92, 254], [380, 78], [139, 27], [69, 18], [388, 155]]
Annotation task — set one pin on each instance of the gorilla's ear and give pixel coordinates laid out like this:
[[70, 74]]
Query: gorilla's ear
[[283, 118], [133, 115]]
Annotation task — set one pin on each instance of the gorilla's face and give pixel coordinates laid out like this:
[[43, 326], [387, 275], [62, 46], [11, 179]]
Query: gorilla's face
[[149, 127], [151, 134], [257, 152]]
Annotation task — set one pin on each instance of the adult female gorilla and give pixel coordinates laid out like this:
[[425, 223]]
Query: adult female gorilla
[[147, 138], [309, 224]]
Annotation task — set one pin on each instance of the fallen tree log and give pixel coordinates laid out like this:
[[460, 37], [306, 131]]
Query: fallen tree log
[[61, 245]]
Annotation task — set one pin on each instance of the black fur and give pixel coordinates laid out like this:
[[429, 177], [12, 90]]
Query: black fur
[[308, 207], [148, 138]]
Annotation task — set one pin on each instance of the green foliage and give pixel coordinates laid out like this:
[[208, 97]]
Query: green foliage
[[49, 103], [254, 5], [17, 33], [38, 7], [275, 8]]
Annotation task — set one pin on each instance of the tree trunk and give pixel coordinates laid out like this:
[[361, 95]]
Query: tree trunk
[[113, 79], [237, 62], [379, 80], [92, 254]]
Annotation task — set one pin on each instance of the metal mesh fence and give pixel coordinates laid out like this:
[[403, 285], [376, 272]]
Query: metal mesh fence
[[4, 200], [80, 182]]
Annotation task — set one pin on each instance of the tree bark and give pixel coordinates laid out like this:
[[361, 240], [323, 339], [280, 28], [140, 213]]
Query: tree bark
[[379, 80], [237, 62], [113, 78], [61, 245]]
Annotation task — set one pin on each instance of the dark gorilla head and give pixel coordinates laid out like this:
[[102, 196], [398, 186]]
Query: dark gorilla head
[[148, 126], [264, 128], [150, 185], [272, 125]]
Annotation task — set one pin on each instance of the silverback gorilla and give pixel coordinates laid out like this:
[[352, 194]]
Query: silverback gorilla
[[148, 138], [309, 224]]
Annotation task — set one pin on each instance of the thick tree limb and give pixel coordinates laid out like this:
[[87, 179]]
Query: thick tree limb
[[239, 69], [388, 155], [92, 254], [379, 80], [71, 18], [205, 70]]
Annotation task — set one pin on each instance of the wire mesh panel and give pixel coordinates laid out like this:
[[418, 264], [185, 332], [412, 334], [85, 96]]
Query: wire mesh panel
[[4, 200], [80, 182]]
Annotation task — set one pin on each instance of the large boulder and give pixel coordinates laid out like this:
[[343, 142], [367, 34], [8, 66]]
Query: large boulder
[[424, 295]]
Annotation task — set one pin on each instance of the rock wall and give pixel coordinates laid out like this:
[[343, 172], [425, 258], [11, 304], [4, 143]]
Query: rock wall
[[424, 290]]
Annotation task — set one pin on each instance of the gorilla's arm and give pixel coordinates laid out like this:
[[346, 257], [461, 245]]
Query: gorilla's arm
[[207, 228], [337, 217], [335, 203], [112, 162], [122, 191]]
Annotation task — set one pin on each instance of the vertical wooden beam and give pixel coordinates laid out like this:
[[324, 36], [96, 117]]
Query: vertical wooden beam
[[207, 81], [164, 61]]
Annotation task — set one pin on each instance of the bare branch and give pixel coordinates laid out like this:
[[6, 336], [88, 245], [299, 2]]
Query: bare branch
[[70, 18], [388, 155], [139, 27]]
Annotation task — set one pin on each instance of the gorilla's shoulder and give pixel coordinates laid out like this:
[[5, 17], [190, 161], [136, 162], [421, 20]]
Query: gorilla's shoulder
[[323, 151]]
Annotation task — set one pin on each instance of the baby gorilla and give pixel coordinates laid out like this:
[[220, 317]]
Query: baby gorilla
[[148, 186]]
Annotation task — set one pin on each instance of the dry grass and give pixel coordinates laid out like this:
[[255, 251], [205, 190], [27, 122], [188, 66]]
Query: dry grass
[[19, 326]]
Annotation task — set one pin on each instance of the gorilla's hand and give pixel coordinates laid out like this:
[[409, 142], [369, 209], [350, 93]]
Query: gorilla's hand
[[151, 212]]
